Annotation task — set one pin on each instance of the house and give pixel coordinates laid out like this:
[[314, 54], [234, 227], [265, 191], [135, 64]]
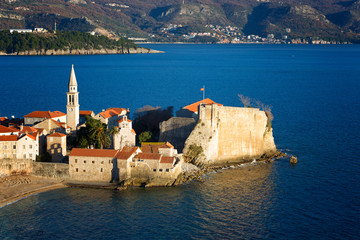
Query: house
[[163, 148], [124, 159], [110, 116], [56, 146], [50, 126], [83, 114], [126, 135], [39, 116], [191, 111], [6, 131], [24, 146], [92, 165]]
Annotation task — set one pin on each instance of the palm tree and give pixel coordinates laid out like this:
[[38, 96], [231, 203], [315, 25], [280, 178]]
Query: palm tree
[[99, 134]]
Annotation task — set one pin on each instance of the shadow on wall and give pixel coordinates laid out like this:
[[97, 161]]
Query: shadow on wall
[[115, 173]]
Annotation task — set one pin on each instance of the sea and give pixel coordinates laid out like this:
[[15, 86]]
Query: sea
[[315, 99]]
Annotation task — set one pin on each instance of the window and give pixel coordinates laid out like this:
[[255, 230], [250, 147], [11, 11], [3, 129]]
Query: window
[[24, 147], [59, 150], [154, 170], [160, 170], [167, 170], [102, 162], [30, 146], [77, 170], [101, 170], [14, 146], [93, 162], [52, 151], [84, 170], [30, 155], [24, 156], [75, 160], [84, 162]]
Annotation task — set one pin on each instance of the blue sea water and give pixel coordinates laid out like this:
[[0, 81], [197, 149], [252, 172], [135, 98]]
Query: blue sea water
[[314, 92]]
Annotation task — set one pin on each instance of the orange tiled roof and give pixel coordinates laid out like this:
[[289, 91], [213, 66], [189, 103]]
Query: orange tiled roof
[[110, 112], [8, 138], [28, 129], [154, 147], [30, 136], [56, 134], [3, 119], [133, 131], [84, 152], [194, 106], [4, 129], [84, 112], [121, 120], [148, 156], [126, 152], [167, 159], [45, 114]]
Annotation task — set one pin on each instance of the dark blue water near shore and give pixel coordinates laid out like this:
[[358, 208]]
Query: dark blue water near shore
[[314, 91]]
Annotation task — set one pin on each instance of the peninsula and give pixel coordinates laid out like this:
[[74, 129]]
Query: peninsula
[[23, 42], [81, 148]]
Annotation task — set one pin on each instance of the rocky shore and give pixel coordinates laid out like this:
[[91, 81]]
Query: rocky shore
[[82, 52]]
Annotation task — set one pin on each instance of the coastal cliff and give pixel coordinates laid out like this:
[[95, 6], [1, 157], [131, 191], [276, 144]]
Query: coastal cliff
[[230, 135], [82, 52]]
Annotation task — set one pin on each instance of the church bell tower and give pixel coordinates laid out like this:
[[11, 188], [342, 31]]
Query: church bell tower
[[72, 107]]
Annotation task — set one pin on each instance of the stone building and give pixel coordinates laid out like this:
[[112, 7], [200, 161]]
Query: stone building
[[111, 116], [39, 116], [72, 107], [126, 135], [50, 126], [24, 146], [56, 146]]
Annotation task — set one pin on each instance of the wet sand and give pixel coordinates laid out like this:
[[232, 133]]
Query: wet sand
[[13, 188]]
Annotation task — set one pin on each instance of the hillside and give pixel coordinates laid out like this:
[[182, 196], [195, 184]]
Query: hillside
[[190, 20]]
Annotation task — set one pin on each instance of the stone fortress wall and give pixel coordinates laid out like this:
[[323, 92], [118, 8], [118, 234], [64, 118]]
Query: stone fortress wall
[[231, 134]]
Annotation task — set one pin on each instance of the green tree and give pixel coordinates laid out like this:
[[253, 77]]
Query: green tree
[[145, 136], [99, 134]]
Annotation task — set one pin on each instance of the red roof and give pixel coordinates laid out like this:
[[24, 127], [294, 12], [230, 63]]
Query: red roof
[[84, 152], [4, 129], [148, 156], [30, 136], [45, 114], [56, 134], [121, 120], [110, 112], [154, 147], [88, 113], [167, 160], [126, 152], [8, 138], [194, 107], [28, 129], [133, 131], [3, 119]]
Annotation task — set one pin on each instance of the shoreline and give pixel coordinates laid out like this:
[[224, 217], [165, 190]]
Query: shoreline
[[14, 188]]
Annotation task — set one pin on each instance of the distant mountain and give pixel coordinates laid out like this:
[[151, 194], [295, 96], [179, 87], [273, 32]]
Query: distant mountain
[[176, 20]]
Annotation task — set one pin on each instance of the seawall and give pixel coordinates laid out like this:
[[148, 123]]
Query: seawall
[[231, 134]]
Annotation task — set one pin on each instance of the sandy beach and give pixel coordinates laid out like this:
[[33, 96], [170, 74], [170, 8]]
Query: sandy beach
[[13, 188]]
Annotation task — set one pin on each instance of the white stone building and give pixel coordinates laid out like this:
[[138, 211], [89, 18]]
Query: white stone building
[[126, 135]]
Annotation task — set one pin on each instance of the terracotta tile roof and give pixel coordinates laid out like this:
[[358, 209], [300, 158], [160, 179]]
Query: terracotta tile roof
[[154, 147], [133, 131], [14, 129], [126, 152], [85, 113], [3, 119], [167, 159], [194, 106], [56, 134], [30, 136], [60, 124], [28, 129], [4, 129], [148, 156], [121, 120], [34, 134], [8, 138], [84, 152], [45, 114], [110, 112]]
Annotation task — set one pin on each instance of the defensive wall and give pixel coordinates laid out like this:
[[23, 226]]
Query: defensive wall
[[28, 167], [231, 134]]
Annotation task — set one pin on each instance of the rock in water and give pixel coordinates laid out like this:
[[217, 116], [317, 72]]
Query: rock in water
[[293, 160]]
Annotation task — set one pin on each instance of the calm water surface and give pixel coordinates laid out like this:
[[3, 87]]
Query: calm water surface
[[314, 91]]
